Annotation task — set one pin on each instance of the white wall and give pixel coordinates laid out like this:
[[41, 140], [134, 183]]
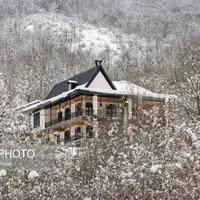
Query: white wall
[[100, 82], [42, 119]]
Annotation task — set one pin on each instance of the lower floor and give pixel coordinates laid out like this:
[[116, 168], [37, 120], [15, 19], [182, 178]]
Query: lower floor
[[70, 133]]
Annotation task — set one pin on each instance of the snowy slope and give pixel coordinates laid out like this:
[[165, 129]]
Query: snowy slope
[[82, 35]]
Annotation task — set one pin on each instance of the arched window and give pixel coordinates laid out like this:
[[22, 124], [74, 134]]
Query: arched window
[[88, 109], [78, 109], [111, 110], [89, 132], [67, 136], [67, 114], [77, 134]]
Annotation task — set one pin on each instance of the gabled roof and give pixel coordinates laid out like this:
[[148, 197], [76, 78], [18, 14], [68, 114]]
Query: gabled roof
[[82, 78]]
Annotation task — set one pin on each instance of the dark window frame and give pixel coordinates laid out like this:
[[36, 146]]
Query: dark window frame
[[60, 117], [67, 113], [58, 139], [77, 134], [36, 120], [111, 110], [89, 131], [67, 136], [89, 108], [78, 109]]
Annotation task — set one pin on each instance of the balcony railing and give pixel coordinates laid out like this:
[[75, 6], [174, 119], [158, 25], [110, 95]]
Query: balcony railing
[[99, 114]]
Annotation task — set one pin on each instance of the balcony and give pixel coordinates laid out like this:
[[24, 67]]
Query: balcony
[[86, 114]]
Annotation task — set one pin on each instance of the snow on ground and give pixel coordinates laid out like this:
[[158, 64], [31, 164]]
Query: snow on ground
[[69, 151], [3, 172], [155, 168], [33, 174]]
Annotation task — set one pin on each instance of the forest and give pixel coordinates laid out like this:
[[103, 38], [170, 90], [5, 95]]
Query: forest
[[152, 43]]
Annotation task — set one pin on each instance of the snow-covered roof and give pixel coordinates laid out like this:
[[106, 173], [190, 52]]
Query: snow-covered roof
[[130, 88], [72, 81], [53, 99], [123, 88], [82, 78], [21, 108]]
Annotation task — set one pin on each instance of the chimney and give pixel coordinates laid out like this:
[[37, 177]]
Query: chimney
[[100, 61], [96, 63]]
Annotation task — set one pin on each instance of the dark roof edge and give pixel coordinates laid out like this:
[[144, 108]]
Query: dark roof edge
[[48, 96]]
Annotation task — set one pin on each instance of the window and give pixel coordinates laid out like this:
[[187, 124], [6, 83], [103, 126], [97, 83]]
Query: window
[[77, 134], [67, 136], [88, 109], [111, 111], [58, 139], [78, 109], [89, 131], [60, 116], [72, 84], [36, 120], [67, 114]]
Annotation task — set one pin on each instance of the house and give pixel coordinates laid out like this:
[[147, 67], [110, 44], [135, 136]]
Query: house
[[71, 104]]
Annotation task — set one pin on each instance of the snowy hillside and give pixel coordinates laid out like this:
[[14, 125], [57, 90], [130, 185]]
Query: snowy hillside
[[84, 36]]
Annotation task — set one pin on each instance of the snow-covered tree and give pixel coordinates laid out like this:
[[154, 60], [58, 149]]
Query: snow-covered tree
[[186, 75], [14, 127]]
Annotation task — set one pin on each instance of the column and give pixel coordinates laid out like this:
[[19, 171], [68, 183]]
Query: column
[[130, 114], [83, 104], [125, 114], [95, 104], [42, 119], [95, 111]]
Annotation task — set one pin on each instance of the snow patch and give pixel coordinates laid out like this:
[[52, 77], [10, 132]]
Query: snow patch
[[3, 172], [155, 168], [30, 28], [93, 39], [33, 174]]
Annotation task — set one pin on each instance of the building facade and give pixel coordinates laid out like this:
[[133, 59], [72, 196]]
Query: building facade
[[67, 112]]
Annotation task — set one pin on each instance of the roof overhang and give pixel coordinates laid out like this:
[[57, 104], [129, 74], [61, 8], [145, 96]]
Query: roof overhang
[[90, 92]]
